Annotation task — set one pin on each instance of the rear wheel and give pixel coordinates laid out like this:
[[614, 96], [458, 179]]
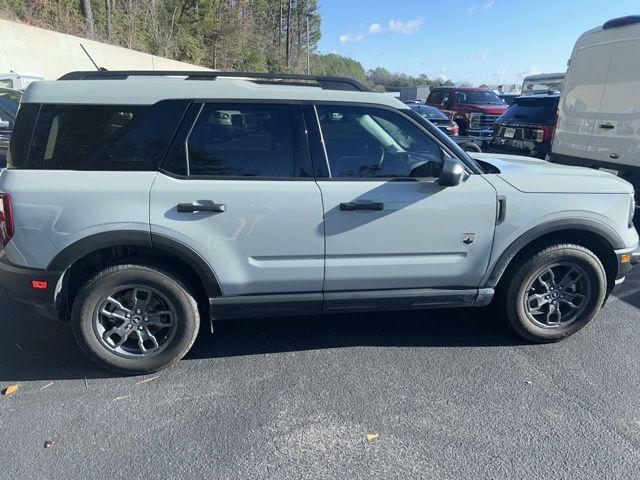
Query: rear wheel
[[135, 319], [555, 293]]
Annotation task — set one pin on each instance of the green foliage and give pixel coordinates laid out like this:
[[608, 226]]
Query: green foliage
[[384, 80], [337, 65], [257, 35]]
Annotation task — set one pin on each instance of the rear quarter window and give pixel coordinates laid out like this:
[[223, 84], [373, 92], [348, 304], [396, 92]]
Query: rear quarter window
[[102, 137]]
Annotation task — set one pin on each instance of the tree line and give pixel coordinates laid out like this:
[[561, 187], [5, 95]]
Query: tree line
[[241, 35]]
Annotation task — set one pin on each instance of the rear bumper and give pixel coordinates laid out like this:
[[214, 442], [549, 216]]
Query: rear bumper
[[32, 287]]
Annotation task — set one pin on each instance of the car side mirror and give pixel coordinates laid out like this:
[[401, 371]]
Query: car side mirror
[[452, 174]]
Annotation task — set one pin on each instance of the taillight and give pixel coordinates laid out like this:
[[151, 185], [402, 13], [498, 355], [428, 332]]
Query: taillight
[[543, 133], [453, 129], [6, 219]]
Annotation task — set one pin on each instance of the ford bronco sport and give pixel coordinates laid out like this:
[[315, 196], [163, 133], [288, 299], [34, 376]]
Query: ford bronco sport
[[135, 204]]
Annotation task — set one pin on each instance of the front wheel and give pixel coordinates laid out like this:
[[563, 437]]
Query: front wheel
[[555, 293], [134, 319]]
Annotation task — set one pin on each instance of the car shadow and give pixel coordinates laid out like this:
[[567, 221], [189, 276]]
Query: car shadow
[[34, 348]]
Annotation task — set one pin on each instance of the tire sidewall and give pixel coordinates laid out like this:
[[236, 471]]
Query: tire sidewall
[[187, 319], [517, 290]]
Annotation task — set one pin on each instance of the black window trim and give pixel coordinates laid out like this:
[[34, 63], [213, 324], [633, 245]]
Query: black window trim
[[469, 168], [257, 101]]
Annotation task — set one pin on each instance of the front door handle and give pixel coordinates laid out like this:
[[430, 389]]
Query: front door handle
[[196, 207], [606, 126], [351, 206]]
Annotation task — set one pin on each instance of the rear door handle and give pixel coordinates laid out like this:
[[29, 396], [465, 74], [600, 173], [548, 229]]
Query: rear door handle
[[607, 126], [207, 207], [351, 206]]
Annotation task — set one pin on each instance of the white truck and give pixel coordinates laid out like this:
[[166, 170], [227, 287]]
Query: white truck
[[599, 112]]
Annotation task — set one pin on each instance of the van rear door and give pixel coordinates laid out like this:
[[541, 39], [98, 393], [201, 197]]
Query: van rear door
[[616, 135], [581, 98]]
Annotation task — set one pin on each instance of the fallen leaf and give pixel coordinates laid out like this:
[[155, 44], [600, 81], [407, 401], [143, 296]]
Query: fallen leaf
[[146, 380], [10, 389], [49, 443], [371, 436]]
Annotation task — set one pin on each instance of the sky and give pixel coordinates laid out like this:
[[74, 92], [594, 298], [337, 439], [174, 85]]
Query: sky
[[477, 41]]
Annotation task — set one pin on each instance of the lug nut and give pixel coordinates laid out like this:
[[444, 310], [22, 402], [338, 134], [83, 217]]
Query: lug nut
[[140, 328], [129, 325]]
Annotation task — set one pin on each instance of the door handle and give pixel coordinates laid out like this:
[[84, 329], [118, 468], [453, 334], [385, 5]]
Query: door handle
[[351, 206], [606, 126], [192, 207]]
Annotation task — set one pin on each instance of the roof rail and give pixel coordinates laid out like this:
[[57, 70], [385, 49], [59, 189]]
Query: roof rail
[[324, 82], [621, 21]]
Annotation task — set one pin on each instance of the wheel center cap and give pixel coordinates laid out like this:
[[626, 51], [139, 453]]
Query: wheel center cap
[[137, 320]]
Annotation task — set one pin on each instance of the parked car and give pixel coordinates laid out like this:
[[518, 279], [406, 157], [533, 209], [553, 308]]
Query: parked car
[[134, 221], [18, 81], [9, 102], [599, 113], [473, 109], [527, 127], [439, 119], [542, 83]]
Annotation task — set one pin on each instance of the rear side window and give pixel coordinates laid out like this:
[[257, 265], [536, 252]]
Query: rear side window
[[247, 140], [532, 110], [103, 137]]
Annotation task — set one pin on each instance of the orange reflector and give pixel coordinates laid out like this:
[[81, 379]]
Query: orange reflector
[[625, 258], [39, 284]]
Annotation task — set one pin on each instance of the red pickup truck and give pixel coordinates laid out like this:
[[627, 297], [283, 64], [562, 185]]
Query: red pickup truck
[[474, 109]]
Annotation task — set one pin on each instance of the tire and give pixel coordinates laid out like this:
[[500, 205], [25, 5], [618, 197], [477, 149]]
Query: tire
[[527, 301], [166, 304], [470, 147]]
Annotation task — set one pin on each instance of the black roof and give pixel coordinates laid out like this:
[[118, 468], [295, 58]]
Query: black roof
[[324, 82]]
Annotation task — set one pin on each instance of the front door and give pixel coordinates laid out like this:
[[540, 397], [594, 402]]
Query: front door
[[237, 188], [388, 223]]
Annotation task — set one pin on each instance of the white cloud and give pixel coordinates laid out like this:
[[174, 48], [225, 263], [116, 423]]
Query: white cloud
[[405, 27], [375, 27], [481, 55], [499, 73], [347, 37], [484, 55], [470, 9], [488, 4]]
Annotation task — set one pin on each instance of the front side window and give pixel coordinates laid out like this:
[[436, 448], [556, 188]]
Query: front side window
[[364, 142], [244, 140]]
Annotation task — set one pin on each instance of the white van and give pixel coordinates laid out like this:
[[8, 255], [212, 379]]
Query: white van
[[599, 111]]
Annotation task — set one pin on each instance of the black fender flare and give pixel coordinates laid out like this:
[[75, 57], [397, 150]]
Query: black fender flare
[[116, 238], [585, 224]]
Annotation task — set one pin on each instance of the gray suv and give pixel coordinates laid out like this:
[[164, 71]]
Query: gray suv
[[137, 204]]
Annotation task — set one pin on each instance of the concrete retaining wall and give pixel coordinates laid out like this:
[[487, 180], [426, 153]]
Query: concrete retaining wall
[[26, 49]]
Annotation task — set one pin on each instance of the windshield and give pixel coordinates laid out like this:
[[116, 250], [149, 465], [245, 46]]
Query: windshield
[[430, 113], [10, 98], [479, 97], [532, 110]]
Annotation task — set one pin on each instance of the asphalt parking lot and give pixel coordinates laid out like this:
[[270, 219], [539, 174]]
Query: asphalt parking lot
[[450, 394]]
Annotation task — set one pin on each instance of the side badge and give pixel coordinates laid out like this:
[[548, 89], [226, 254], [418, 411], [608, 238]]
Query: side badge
[[468, 238]]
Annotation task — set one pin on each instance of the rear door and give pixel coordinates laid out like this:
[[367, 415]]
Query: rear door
[[581, 99], [388, 223], [237, 188], [616, 136]]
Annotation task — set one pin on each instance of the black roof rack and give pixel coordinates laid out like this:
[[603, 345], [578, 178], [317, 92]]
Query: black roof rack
[[324, 82]]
